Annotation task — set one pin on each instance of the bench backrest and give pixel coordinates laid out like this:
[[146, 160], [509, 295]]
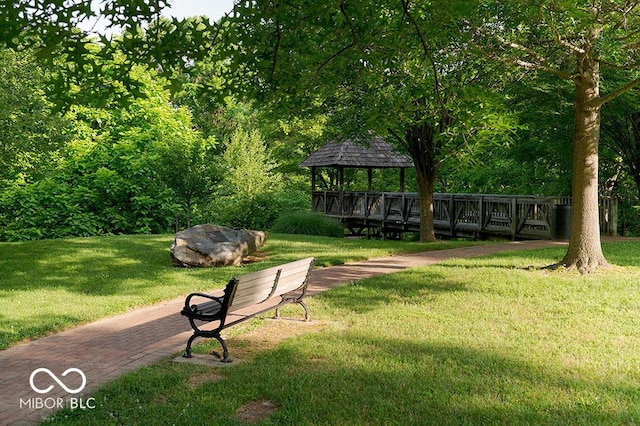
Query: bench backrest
[[254, 288]]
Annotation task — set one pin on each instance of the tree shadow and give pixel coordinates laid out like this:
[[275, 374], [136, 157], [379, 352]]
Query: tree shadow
[[620, 253], [407, 286], [397, 381], [93, 266]]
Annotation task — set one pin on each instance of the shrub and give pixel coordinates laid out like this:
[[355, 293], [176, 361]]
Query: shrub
[[53, 208], [252, 212], [308, 223], [629, 218]]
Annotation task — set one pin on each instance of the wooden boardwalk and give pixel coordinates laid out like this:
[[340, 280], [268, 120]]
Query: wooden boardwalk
[[455, 215]]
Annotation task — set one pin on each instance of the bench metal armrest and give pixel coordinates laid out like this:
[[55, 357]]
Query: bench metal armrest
[[187, 301]]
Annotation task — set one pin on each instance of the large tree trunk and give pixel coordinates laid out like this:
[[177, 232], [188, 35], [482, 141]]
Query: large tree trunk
[[425, 196], [420, 141], [585, 251]]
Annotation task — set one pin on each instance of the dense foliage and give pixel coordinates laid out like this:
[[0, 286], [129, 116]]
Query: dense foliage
[[31, 132], [144, 133], [104, 167]]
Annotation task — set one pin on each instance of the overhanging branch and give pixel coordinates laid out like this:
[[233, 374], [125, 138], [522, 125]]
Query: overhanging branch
[[538, 60], [354, 38], [627, 9], [558, 36], [537, 67], [425, 48], [276, 48], [620, 91]]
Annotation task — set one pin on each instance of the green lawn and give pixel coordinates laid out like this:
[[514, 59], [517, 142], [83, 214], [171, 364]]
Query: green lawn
[[494, 340], [48, 286]]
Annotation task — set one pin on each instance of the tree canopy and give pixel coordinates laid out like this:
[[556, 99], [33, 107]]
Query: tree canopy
[[577, 42], [398, 69], [447, 81]]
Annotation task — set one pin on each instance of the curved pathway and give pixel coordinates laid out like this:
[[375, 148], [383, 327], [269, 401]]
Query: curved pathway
[[111, 347]]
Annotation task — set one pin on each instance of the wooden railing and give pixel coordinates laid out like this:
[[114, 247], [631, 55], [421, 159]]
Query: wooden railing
[[454, 214]]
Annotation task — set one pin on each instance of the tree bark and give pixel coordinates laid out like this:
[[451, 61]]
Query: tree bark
[[585, 251], [420, 141], [425, 196]]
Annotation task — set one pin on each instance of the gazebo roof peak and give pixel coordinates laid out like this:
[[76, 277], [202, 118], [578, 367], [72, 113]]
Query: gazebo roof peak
[[378, 154]]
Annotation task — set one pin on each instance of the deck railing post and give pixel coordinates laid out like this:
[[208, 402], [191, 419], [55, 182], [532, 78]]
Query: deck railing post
[[384, 212], [452, 215], [614, 217], [325, 205], [515, 218], [405, 209], [481, 214]]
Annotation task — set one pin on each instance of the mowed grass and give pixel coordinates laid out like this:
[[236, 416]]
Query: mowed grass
[[492, 340], [48, 286]]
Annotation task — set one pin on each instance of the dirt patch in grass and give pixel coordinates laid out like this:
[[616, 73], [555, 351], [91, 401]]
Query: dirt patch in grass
[[198, 380], [247, 345], [255, 411], [267, 336]]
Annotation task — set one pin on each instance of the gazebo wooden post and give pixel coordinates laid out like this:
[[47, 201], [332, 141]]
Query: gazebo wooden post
[[341, 189], [370, 178], [314, 202], [313, 179], [401, 179]]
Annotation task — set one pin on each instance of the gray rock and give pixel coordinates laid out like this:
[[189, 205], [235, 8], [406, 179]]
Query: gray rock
[[211, 245]]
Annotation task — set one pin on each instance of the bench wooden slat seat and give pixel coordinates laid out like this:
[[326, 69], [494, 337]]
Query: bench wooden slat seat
[[258, 289]]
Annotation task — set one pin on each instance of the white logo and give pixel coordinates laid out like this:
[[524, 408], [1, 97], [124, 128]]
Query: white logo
[[57, 380]]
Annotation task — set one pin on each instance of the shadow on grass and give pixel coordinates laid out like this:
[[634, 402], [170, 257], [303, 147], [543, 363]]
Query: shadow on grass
[[117, 266], [414, 286], [13, 330], [372, 380], [620, 253], [354, 372], [392, 381], [337, 251]]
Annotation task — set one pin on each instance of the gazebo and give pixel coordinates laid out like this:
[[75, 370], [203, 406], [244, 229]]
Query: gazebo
[[360, 210], [376, 154]]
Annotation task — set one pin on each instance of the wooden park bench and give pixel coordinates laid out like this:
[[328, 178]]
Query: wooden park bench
[[245, 297]]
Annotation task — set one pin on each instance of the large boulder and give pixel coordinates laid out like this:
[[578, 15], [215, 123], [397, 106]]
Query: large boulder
[[211, 245]]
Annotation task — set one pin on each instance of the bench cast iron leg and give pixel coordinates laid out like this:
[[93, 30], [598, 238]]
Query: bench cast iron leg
[[307, 316], [225, 350], [187, 352]]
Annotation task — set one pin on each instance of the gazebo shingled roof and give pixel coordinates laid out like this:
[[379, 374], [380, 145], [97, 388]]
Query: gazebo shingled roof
[[378, 155], [350, 154]]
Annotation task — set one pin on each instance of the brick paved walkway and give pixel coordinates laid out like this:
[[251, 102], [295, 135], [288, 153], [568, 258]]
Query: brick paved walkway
[[109, 348]]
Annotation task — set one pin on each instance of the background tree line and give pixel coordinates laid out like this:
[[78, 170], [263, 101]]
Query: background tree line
[[144, 166], [152, 146]]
